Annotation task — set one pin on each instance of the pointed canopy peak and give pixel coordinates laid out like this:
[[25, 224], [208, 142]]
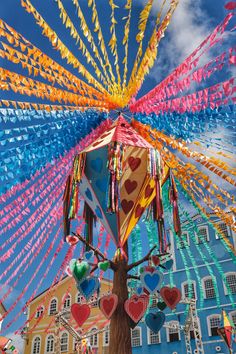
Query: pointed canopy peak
[[126, 135]]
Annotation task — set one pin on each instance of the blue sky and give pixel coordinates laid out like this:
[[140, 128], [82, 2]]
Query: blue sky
[[191, 23]]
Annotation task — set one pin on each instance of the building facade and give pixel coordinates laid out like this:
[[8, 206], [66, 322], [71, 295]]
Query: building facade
[[191, 253], [40, 336]]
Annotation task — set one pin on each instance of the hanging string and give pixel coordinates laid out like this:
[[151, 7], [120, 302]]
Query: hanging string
[[125, 41], [82, 47]]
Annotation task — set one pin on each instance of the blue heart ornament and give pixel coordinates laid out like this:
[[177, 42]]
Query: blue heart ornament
[[97, 165], [169, 264], [88, 287], [151, 281], [88, 255], [139, 290], [155, 320]]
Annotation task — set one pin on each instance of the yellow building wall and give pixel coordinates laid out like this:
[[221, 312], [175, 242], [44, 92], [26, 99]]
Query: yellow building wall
[[47, 324]]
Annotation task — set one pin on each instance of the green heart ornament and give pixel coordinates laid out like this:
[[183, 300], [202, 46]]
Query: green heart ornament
[[104, 265], [80, 271]]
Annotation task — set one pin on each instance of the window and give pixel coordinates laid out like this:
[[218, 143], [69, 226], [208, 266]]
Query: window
[[53, 307], [67, 302], [136, 337], [173, 333], [154, 301], [39, 312], [208, 287], [94, 301], [202, 234], [36, 345], [153, 338], [94, 338], [231, 281], [80, 298], [223, 229], [183, 240], [106, 337], [50, 344], [189, 289], [213, 324], [64, 342]]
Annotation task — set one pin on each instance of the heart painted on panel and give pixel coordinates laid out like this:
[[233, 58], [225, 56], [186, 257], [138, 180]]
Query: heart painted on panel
[[80, 313], [139, 210], [127, 205], [151, 281], [102, 184], [108, 304], [98, 212], [134, 162], [97, 165], [136, 307], [171, 296], [89, 194], [88, 287], [155, 321], [148, 191], [130, 186]]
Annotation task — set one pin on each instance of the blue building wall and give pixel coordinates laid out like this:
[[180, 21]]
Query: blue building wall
[[212, 344]]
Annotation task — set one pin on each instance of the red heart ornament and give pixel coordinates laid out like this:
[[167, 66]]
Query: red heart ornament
[[80, 313], [108, 304], [149, 269], [72, 239], [136, 307], [148, 191], [138, 211], [134, 162], [155, 260], [127, 205], [130, 186], [171, 296]]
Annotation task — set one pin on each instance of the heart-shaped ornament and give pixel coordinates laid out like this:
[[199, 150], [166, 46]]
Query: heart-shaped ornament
[[104, 265], [139, 290], [151, 281], [88, 255], [88, 287], [168, 264], [108, 304], [155, 320], [155, 260], [80, 270], [171, 296], [136, 307], [161, 305], [80, 313], [149, 269], [72, 239]]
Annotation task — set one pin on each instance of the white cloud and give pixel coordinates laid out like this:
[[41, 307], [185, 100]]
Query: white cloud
[[17, 341], [187, 29]]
